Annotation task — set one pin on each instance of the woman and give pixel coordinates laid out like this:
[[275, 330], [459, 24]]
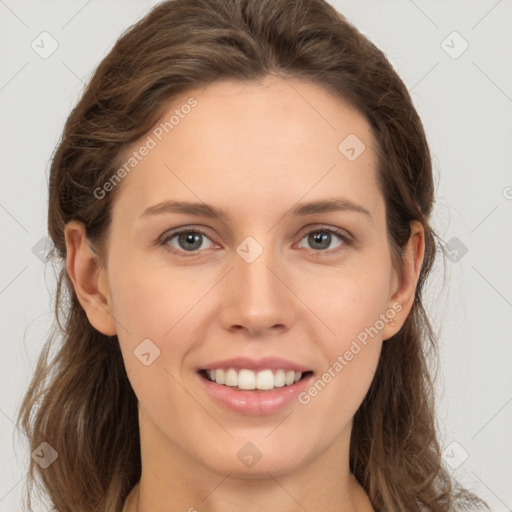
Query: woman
[[240, 205]]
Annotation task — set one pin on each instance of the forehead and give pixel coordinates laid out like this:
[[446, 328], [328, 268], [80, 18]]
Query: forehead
[[253, 143], [277, 115]]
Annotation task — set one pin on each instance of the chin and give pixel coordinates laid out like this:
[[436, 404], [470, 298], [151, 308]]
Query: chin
[[247, 460]]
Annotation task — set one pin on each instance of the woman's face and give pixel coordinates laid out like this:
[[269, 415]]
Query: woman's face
[[295, 274]]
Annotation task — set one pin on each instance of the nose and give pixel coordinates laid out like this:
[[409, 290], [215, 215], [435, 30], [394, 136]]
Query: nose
[[258, 299]]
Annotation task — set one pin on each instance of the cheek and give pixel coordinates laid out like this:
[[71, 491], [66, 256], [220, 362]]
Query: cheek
[[351, 305], [347, 300], [152, 308], [150, 301], [153, 339]]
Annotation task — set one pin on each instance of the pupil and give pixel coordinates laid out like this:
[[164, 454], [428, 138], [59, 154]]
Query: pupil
[[190, 239], [321, 238]]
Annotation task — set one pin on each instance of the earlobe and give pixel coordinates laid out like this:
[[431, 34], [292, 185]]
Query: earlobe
[[87, 275], [404, 294]]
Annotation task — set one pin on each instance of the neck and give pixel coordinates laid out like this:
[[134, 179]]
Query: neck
[[179, 486], [356, 500], [172, 481]]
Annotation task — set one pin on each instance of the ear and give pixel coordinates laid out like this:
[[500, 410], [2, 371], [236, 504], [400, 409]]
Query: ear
[[404, 287], [88, 277]]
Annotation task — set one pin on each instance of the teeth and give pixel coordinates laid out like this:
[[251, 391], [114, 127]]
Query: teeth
[[219, 376], [231, 378], [248, 379], [279, 379], [264, 380]]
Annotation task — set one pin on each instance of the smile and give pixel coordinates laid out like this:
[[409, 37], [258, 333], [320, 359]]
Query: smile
[[245, 379]]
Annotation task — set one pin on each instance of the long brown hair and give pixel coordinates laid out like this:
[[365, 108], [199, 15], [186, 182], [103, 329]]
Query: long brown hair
[[80, 400]]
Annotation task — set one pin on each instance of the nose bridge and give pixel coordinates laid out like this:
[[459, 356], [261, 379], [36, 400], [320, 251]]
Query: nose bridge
[[258, 298], [258, 284]]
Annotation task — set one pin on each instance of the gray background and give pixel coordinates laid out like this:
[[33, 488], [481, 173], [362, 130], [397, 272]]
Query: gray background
[[465, 101]]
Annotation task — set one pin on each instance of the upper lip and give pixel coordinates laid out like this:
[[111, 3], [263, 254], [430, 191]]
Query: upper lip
[[271, 363]]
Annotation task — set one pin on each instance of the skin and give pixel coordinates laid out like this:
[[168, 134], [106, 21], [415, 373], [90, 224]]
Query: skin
[[254, 150]]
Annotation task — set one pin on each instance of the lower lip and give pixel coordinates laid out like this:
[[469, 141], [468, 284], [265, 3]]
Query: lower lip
[[254, 402]]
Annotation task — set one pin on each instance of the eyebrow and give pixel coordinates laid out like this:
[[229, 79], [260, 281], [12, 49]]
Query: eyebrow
[[301, 210]]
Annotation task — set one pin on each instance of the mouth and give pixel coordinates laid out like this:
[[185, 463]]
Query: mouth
[[256, 387], [245, 379]]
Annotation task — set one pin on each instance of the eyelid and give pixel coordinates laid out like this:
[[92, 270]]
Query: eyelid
[[342, 233]]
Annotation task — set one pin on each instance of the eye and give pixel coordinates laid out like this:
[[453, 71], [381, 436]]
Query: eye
[[187, 241], [322, 238]]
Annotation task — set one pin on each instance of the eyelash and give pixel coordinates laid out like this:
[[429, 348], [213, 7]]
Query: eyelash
[[166, 238]]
